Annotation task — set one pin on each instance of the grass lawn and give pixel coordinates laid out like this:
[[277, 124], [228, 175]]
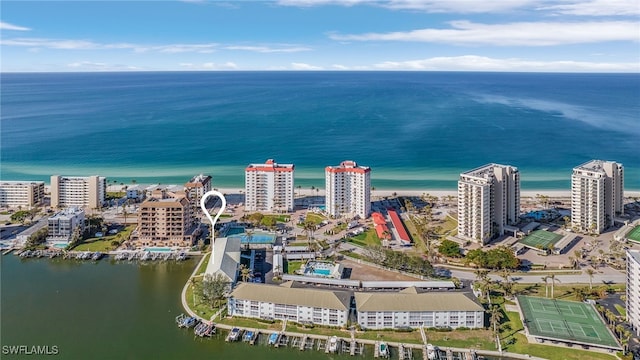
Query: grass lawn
[[204, 264], [420, 246], [560, 291], [203, 310], [104, 243], [449, 227], [367, 238], [621, 310], [292, 266], [352, 254], [314, 218]]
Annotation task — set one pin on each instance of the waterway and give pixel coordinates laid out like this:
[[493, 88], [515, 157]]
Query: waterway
[[109, 310]]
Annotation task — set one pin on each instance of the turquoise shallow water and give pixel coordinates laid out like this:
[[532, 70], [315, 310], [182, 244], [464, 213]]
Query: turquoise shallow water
[[416, 130]]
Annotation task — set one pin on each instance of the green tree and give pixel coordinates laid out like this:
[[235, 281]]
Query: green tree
[[213, 289], [245, 273], [495, 317], [449, 248], [590, 272], [37, 238], [20, 216]]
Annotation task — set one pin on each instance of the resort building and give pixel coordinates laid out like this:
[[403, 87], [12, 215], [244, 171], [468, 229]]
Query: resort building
[[194, 190], [21, 193], [348, 190], [488, 200], [301, 305], [225, 259], [633, 290], [87, 192], [413, 308], [165, 221], [62, 225], [269, 187], [597, 194]]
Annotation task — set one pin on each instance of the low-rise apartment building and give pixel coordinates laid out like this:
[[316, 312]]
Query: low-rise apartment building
[[301, 305], [413, 308], [62, 225]]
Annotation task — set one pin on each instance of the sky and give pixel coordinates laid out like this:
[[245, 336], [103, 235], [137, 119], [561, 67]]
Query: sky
[[333, 35]]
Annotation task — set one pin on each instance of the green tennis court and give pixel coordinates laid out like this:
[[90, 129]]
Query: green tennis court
[[634, 234], [568, 321], [541, 239]]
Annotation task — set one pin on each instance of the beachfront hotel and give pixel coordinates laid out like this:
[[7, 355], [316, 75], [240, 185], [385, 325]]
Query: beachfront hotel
[[414, 308], [21, 193], [488, 200], [165, 220], [597, 194], [633, 290], [87, 192], [62, 225], [269, 187], [285, 301], [348, 190]]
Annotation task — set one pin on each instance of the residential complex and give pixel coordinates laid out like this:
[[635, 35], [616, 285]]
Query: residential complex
[[597, 194], [348, 190], [225, 259], [21, 193], [269, 187], [62, 225], [301, 305], [87, 192], [414, 308], [164, 220], [197, 187], [633, 290], [488, 200]]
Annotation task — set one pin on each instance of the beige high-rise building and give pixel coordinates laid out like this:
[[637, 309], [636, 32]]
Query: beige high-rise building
[[633, 290], [197, 187], [269, 187], [597, 194], [165, 221], [87, 192], [21, 193], [488, 200], [348, 190]]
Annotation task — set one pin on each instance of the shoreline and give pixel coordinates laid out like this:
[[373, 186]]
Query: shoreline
[[390, 192]]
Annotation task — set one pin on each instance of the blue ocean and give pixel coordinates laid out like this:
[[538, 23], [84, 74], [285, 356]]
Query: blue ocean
[[416, 130]]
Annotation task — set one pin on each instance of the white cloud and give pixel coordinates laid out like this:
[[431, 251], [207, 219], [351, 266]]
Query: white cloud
[[339, 67], [522, 33], [209, 66], [99, 66], [267, 49], [432, 6], [7, 26], [596, 8], [303, 66], [63, 44], [482, 63]]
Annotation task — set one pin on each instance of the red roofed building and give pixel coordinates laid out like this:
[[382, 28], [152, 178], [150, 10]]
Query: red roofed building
[[348, 190], [397, 223], [269, 187], [381, 226]]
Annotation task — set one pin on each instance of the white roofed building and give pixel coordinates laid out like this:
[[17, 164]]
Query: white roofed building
[[269, 187], [348, 190]]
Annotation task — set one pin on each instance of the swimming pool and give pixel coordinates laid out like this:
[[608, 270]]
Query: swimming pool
[[323, 272], [60, 245], [234, 231], [158, 249], [256, 238]]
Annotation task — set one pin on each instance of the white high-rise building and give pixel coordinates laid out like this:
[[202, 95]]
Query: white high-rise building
[[488, 200], [197, 187], [633, 290], [348, 190], [21, 193], [87, 192], [62, 225], [597, 194], [269, 187]]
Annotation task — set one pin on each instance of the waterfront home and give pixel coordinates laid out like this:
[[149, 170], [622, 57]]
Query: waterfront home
[[413, 308], [301, 305], [62, 225]]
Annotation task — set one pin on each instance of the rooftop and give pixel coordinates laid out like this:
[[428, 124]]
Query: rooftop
[[412, 299], [288, 295], [67, 213], [348, 166], [270, 166], [11, 182], [635, 254], [486, 171]]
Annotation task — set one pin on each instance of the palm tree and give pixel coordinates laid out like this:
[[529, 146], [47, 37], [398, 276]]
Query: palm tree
[[590, 272], [546, 286], [481, 274], [245, 273], [553, 280], [495, 317]]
